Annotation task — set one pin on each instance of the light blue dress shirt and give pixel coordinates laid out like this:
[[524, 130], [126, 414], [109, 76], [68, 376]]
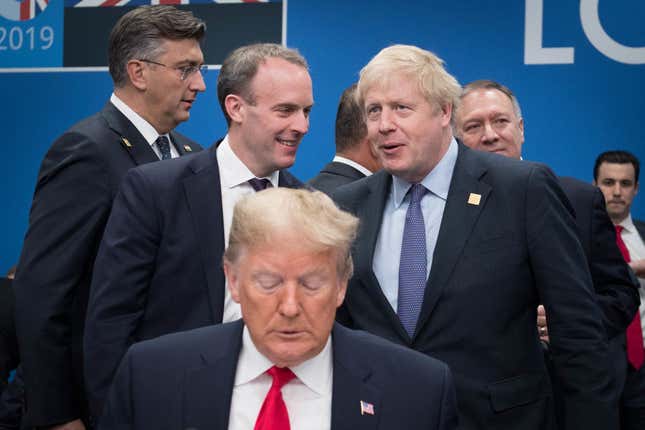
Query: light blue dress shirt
[[387, 253]]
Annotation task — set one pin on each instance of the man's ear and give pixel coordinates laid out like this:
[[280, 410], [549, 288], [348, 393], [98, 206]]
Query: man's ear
[[138, 74], [235, 107], [232, 280]]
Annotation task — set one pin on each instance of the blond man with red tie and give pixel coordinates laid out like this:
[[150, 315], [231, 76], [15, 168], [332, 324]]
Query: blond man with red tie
[[616, 174]]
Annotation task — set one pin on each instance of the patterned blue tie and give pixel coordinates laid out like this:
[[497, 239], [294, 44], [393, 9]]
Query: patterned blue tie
[[164, 147], [412, 268]]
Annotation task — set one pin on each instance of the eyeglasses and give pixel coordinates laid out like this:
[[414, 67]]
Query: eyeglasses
[[185, 71]]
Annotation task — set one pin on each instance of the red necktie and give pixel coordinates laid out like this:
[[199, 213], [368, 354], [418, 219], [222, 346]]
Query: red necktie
[[635, 351], [273, 413]]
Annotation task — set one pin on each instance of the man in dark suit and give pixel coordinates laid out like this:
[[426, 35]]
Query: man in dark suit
[[287, 364], [154, 61], [457, 267], [489, 119], [158, 268], [355, 157], [616, 174], [8, 342]]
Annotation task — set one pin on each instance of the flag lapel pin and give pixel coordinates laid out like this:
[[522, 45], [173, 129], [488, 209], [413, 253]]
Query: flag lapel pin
[[367, 408], [188, 148], [126, 142]]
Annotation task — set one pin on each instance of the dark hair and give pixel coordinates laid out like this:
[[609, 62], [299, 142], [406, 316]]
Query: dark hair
[[140, 33], [350, 121], [617, 157], [240, 67]]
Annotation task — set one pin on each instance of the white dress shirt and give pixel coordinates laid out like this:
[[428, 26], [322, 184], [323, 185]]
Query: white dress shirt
[[636, 247], [307, 396], [233, 178], [144, 127], [387, 253], [364, 170]]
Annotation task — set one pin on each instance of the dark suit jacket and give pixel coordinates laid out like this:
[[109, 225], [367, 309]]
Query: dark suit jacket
[[185, 380], [334, 175], [640, 226], [493, 263], [158, 269], [78, 179], [8, 343], [614, 283]]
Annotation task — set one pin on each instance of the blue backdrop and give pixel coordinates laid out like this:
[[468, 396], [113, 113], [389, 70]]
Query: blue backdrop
[[576, 103]]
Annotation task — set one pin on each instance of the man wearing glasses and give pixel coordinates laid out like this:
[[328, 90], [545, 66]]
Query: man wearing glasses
[[158, 269], [77, 182]]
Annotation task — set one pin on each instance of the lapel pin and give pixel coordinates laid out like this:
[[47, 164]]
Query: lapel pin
[[188, 148], [126, 142], [474, 199], [367, 408]]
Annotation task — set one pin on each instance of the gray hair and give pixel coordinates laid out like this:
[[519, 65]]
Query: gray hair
[[438, 86], [314, 217], [241, 66], [140, 34], [488, 84]]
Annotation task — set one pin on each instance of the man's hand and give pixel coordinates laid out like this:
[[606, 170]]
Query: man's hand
[[543, 331], [638, 267], [72, 425]]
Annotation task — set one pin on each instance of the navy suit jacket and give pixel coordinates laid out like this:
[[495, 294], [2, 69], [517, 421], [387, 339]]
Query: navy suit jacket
[[185, 381], [159, 267], [495, 260], [640, 226], [615, 285], [78, 180], [334, 175]]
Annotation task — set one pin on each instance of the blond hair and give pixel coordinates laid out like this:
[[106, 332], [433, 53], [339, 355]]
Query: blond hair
[[311, 215]]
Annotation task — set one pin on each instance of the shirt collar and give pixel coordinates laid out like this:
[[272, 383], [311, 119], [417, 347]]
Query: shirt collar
[[315, 373], [233, 171], [144, 127], [628, 224], [364, 170], [437, 181]]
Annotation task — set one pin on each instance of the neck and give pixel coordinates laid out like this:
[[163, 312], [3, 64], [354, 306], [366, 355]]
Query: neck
[[133, 98]]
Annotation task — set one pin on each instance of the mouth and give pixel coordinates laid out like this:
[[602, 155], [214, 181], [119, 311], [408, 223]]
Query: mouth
[[291, 143], [390, 147], [189, 102]]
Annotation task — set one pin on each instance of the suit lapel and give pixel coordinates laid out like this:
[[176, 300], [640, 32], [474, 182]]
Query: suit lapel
[[129, 137], [204, 198], [351, 386], [183, 145], [457, 223], [378, 190], [208, 390]]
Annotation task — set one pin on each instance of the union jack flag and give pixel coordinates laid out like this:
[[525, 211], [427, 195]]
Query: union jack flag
[[22, 10], [108, 3]]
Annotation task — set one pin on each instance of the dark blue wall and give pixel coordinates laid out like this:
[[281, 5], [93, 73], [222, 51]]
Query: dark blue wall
[[572, 111]]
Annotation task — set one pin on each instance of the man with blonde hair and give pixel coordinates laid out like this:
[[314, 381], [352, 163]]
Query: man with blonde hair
[[286, 364], [455, 250]]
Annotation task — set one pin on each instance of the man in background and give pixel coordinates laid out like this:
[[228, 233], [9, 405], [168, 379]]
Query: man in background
[[489, 119], [286, 365], [157, 270], [355, 158], [155, 61], [616, 174]]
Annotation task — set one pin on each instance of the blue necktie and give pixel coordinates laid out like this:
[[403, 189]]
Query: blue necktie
[[259, 184], [164, 147], [412, 268]]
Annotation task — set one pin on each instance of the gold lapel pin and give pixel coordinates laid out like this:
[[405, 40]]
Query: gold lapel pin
[[126, 142], [474, 199], [188, 148]]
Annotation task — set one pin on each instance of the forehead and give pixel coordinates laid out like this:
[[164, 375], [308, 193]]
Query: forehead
[[485, 102], [618, 171], [187, 50], [392, 87], [278, 79]]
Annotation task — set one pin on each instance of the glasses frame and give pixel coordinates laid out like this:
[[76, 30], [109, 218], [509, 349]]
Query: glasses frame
[[185, 71]]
